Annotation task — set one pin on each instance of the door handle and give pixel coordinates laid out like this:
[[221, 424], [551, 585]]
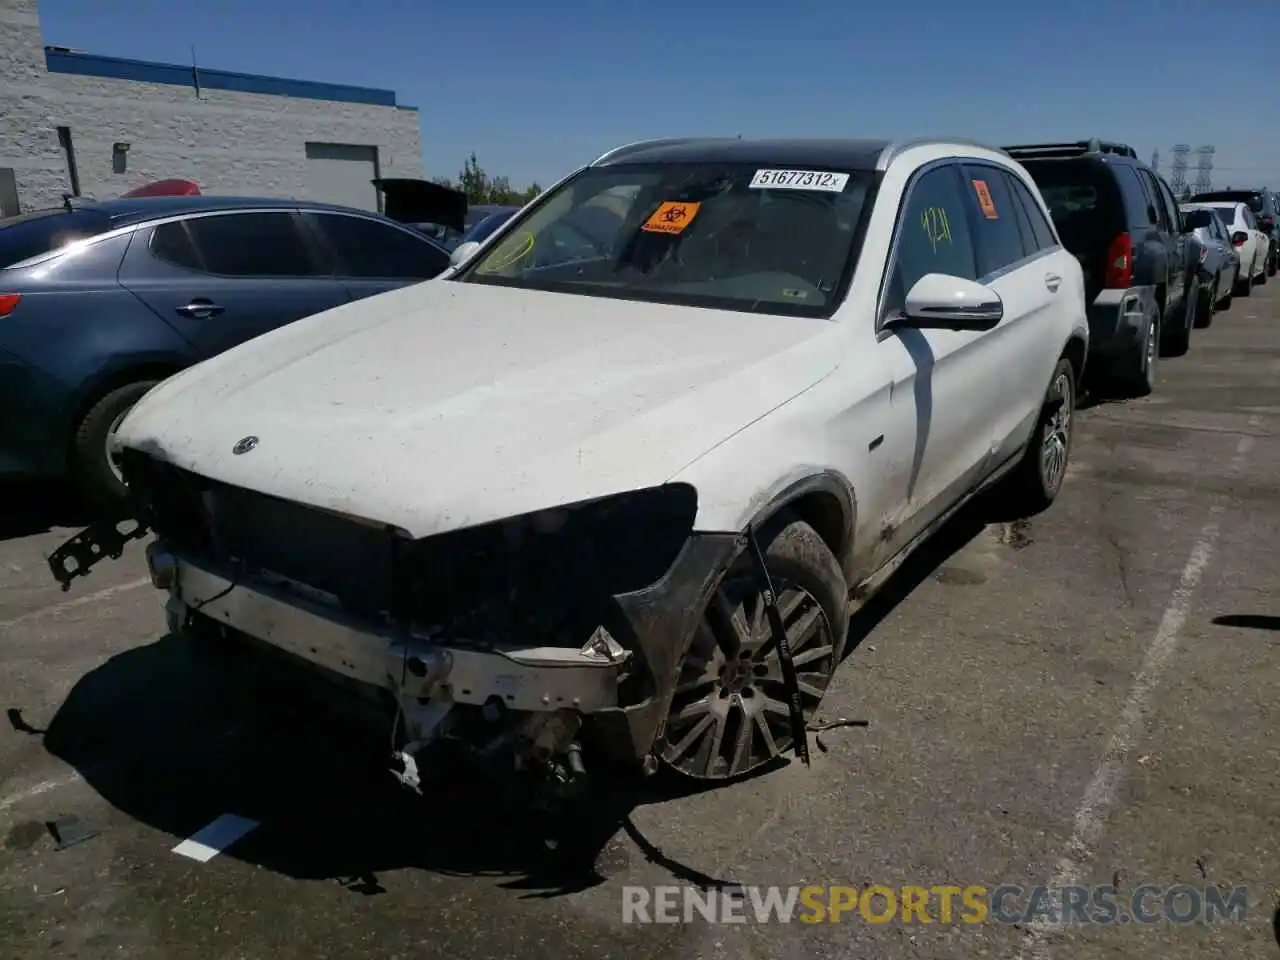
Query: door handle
[[1052, 281], [200, 309]]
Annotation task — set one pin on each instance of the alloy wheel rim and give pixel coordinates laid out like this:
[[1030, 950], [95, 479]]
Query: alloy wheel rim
[[729, 714], [1153, 339], [1057, 435]]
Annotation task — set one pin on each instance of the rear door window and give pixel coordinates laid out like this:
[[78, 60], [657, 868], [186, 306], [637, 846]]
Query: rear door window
[[252, 244], [370, 250], [997, 239], [39, 232]]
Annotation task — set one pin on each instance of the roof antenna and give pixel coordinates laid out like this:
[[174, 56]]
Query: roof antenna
[[195, 70]]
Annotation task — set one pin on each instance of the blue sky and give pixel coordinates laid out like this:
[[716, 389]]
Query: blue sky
[[536, 89]]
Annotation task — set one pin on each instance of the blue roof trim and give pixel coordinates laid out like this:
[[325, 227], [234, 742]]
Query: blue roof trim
[[118, 68]]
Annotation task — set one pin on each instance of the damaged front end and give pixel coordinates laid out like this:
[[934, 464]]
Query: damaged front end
[[538, 643]]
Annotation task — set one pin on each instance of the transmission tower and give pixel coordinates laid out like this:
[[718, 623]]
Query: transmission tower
[[1155, 160], [1204, 168], [1178, 178]]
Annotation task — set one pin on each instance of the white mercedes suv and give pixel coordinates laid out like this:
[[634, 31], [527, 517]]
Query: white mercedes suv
[[604, 492]]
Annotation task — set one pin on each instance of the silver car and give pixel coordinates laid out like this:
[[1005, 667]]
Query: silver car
[[1219, 264]]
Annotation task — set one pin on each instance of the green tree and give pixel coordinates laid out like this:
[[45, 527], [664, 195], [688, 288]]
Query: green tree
[[481, 188], [473, 181]]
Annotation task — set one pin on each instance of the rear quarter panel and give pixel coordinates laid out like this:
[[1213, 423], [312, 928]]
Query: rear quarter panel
[[78, 326]]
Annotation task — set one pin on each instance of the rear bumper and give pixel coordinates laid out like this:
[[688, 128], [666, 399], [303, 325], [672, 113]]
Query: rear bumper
[[32, 445], [1116, 322]]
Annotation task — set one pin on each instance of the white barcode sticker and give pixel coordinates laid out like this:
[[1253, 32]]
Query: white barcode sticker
[[799, 180]]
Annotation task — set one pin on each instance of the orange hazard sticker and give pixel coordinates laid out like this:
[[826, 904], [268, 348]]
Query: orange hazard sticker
[[671, 217], [984, 200]]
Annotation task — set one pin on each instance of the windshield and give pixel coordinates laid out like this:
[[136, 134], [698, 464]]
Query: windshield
[[32, 234], [729, 236]]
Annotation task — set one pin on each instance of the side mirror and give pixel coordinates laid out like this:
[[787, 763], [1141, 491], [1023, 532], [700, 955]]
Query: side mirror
[[941, 300], [462, 253]]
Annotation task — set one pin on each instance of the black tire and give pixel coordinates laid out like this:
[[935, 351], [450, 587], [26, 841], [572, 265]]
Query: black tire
[[1035, 482], [1263, 274], [723, 686], [1135, 376], [1244, 284], [91, 468], [1225, 302], [1272, 260], [1177, 339], [1208, 304]]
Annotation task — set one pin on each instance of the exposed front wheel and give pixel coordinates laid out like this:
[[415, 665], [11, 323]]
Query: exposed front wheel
[[94, 470], [729, 715]]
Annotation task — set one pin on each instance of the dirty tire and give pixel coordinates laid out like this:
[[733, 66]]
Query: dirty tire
[[728, 716], [1208, 305], [1178, 341], [1272, 263], [1137, 378], [1244, 285], [90, 466], [1035, 482]]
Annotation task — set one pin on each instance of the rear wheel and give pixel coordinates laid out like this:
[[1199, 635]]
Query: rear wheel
[[1244, 283], [1136, 377], [1205, 308], [729, 715], [1035, 482], [1272, 260], [94, 470], [1177, 339]]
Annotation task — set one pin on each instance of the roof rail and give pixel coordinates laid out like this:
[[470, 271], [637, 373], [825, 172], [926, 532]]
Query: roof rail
[[896, 147], [638, 145], [1077, 148]]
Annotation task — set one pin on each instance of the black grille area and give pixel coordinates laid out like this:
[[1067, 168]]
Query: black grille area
[[238, 528]]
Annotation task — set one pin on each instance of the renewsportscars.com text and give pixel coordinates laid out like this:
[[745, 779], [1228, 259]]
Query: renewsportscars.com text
[[942, 903]]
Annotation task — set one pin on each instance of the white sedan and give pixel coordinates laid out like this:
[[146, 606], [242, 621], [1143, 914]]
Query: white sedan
[[612, 504], [1251, 244]]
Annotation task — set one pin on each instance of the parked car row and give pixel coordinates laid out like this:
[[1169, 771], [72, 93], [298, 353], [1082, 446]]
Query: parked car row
[[1154, 270]]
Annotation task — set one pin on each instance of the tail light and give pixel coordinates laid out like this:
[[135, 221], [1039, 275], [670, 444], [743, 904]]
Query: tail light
[[1238, 238], [1266, 223], [8, 301], [1120, 263]]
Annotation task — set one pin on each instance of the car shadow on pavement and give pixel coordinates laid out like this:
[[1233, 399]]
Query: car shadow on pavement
[[160, 742], [29, 508], [1248, 621]]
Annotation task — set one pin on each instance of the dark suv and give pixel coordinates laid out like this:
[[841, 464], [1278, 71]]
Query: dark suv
[[100, 301], [1121, 221], [1265, 205]]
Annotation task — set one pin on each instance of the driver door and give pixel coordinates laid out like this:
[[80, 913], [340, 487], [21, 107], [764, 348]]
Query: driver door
[[948, 380]]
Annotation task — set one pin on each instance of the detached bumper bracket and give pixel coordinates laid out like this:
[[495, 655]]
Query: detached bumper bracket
[[102, 541], [799, 732]]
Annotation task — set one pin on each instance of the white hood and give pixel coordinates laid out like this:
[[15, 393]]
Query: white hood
[[447, 404]]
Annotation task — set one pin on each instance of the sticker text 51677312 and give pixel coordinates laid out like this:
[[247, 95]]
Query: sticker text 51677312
[[822, 180], [985, 203]]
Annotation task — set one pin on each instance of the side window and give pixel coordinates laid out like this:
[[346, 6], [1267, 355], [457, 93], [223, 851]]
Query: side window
[[933, 234], [372, 250], [266, 244], [1157, 201], [172, 243], [1138, 202], [1170, 205], [997, 239], [1250, 222], [1041, 229]]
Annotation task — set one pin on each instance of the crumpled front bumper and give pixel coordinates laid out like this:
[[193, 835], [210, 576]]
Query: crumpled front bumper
[[656, 627]]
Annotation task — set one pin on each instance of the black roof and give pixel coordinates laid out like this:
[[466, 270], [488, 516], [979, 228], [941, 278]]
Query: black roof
[[840, 154]]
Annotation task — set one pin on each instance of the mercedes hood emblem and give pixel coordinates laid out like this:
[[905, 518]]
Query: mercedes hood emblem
[[244, 445]]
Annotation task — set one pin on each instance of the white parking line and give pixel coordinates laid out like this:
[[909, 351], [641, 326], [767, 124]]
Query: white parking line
[[56, 608], [207, 842], [1100, 795]]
